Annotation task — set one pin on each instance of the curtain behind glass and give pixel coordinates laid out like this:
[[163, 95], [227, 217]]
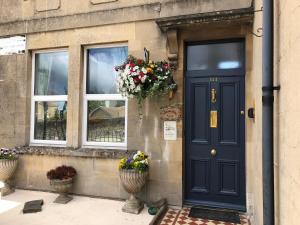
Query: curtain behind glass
[[51, 73], [101, 75]]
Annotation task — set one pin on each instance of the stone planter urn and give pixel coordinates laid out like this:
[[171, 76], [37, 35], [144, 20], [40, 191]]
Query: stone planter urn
[[7, 168], [133, 181], [62, 187]]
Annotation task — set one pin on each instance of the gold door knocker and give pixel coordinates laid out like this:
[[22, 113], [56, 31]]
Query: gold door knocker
[[213, 95]]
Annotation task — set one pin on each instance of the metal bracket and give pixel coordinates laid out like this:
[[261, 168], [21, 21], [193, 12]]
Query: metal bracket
[[274, 88], [259, 32]]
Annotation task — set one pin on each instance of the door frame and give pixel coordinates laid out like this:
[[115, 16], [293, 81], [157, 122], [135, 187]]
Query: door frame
[[211, 41]]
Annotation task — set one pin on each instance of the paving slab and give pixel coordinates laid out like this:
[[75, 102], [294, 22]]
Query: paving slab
[[79, 211]]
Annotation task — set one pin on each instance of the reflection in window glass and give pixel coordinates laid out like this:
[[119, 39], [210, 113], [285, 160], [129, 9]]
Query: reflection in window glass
[[50, 120], [106, 121], [215, 56], [101, 75], [51, 73]]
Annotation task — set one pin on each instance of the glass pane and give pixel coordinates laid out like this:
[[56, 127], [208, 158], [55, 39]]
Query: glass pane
[[51, 73], [215, 56], [106, 121], [50, 121], [101, 75]]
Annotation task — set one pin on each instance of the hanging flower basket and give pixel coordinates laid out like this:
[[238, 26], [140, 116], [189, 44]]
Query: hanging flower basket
[[140, 79]]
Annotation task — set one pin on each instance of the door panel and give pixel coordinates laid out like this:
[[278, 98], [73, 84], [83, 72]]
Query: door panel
[[199, 110], [200, 183], [215, 151]]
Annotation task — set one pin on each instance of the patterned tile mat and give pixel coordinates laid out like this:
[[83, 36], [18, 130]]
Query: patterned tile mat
[[180, 217]]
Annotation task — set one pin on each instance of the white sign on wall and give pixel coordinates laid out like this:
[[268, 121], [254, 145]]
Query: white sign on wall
[[170, 130], [12, 45]]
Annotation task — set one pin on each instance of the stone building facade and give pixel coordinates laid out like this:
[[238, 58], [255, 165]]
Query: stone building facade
[[165, 28]]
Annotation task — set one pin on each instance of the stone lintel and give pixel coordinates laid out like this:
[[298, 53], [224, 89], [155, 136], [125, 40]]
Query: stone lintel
[[245, 15], [81, 20], [161, 12]]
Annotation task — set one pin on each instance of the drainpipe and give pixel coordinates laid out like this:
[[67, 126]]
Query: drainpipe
[[267, 112]]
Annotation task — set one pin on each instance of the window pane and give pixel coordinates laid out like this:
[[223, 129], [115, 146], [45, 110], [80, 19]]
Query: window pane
[[50, 121], [51, 73], [215, 56], [106, 121], [101, 75]]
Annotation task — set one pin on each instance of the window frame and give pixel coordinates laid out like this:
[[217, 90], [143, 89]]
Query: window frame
[[100, 97], [45, 98]]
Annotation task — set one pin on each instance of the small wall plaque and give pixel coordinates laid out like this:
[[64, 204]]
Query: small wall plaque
[[170, 130], [46, 5], [171, 113]]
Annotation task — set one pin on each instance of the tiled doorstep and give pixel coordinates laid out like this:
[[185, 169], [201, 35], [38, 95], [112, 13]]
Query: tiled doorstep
[[180, 217]]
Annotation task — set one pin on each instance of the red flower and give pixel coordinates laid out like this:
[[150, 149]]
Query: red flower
[[139, 61], [136, 80], [141, 74], [131, 64]]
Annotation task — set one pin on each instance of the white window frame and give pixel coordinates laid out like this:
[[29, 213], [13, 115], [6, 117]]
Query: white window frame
[[44, 98], [100, 97]]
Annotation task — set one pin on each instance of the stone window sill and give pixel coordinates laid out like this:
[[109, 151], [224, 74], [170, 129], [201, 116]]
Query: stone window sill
[[71, 152]]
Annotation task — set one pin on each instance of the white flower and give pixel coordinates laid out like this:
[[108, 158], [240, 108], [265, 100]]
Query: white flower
[[143, 79], [144, 70]]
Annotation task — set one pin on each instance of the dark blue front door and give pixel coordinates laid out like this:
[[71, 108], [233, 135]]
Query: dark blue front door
[[215, 125]]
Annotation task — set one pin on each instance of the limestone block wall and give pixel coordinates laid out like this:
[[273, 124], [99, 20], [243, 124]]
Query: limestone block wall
[[13, 99], [287, 112]]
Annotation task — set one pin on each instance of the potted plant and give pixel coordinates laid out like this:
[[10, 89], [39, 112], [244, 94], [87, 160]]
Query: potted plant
[[61, 179], [133, 172], [8, 164]]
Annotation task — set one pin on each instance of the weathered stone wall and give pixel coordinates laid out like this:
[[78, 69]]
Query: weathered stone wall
[[13, 100], [287, 111], [254, 127]]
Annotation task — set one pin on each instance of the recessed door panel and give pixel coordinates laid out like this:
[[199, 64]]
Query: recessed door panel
[[200, 181], [200, 113], [229, 108], [228, 177]]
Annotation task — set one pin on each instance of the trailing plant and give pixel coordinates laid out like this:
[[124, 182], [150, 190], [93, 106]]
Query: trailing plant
[[138, 162], [140, 79], [9, 154], [61, 173]]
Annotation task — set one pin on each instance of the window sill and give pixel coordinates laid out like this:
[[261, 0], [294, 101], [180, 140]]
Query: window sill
[[71, 152]]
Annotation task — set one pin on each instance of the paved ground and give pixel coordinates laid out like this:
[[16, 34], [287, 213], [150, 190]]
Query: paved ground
[[80, 211], [180, 217]]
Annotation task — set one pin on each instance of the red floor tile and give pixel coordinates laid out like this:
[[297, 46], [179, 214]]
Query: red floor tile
[[180, 217]]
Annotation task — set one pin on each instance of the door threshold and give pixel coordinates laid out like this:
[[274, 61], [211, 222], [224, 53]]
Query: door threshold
[[215, 206]]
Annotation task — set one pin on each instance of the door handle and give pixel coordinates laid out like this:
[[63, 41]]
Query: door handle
[[213, 152]]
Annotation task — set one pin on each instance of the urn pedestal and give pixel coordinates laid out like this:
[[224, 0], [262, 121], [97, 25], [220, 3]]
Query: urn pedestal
[[7, 168], [133, 182], [62, 187]]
